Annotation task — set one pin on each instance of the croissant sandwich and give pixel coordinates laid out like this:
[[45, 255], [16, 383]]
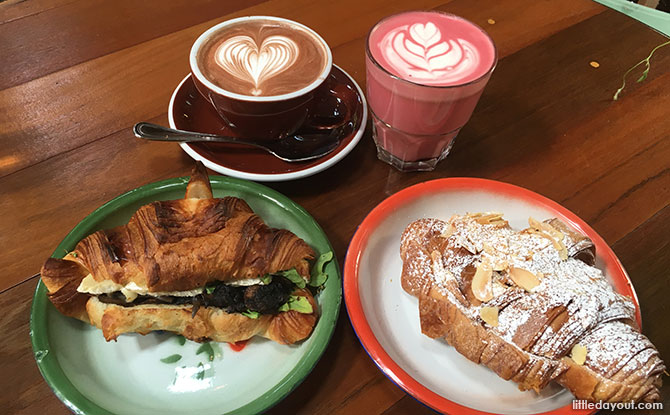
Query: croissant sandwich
[[529, 305], [205, 268]]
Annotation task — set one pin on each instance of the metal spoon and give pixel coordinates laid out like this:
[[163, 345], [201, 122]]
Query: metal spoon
[[293, 148]]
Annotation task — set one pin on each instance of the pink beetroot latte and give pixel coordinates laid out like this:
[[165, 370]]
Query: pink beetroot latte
[[425, 74]]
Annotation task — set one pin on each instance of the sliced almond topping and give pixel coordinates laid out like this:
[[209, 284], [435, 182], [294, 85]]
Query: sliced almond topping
[[524, 279], [448, 231], [489, 218], [481, 282], [560, 247], [489, 315], [563, 252], [554, 235], [546, 227], [534, 223], [578, 354], [500, 265], [497, 263], [486, 247]]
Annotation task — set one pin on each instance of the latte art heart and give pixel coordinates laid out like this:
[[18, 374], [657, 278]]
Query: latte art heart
[[242, 57]]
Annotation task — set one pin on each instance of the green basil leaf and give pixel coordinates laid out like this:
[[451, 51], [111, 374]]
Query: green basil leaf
[[206, 348], [284, 307], [266, 279], [318, 276], [171, 359], [181, 340], [251, 314], [216, 348], [201, 372]]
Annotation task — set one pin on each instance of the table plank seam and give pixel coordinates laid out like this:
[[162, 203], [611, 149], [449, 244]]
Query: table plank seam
[[629, 192], [152, 119], [641, 225], [614, 168], [19, 283], [37, 13], [376, 379]]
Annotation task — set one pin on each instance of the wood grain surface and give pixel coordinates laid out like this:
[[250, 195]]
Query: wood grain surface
[[76, 75]]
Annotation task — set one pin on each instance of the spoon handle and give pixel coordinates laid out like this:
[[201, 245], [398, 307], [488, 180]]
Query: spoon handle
[[157, 132], [290, 149]]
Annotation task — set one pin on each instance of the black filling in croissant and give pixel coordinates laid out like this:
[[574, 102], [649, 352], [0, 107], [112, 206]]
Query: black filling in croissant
[[264, 299]]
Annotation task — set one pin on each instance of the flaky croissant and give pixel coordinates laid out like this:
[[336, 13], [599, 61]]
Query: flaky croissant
[[159, 264], [528, 305]]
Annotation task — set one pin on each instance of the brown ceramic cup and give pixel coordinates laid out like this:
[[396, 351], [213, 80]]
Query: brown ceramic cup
[[260, 117]]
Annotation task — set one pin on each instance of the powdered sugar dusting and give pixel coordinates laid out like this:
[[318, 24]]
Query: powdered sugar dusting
[[615, 344], [569, 306]]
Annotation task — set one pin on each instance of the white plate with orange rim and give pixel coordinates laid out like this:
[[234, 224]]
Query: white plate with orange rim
[[386, 318]]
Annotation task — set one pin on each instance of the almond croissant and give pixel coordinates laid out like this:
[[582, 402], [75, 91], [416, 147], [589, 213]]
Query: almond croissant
[[529, 305]]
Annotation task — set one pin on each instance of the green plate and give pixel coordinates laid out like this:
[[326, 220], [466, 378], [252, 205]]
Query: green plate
[[92, 376]]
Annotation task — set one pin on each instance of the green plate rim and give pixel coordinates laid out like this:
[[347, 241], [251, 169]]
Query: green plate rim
[[62, 387]]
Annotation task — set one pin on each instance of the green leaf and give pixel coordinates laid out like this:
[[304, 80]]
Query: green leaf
[[266, 279], [318, 276], [293, 276], [251, 314], [201, 372], [646, 62], [644, 76], [206, 348], [209, 289], [300, 304], [218, 353], [181, 340], [171, 359]]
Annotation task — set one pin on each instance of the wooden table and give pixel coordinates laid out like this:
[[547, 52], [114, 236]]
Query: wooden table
[[77, 74]]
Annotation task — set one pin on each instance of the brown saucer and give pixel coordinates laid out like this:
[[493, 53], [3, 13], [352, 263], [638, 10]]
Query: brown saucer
[[341, 101]]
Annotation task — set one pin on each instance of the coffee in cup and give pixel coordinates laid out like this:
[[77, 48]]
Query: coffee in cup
[[260, 73]]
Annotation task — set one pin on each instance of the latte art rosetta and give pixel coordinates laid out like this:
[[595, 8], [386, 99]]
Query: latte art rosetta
[[242, 57], [421, 53]]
